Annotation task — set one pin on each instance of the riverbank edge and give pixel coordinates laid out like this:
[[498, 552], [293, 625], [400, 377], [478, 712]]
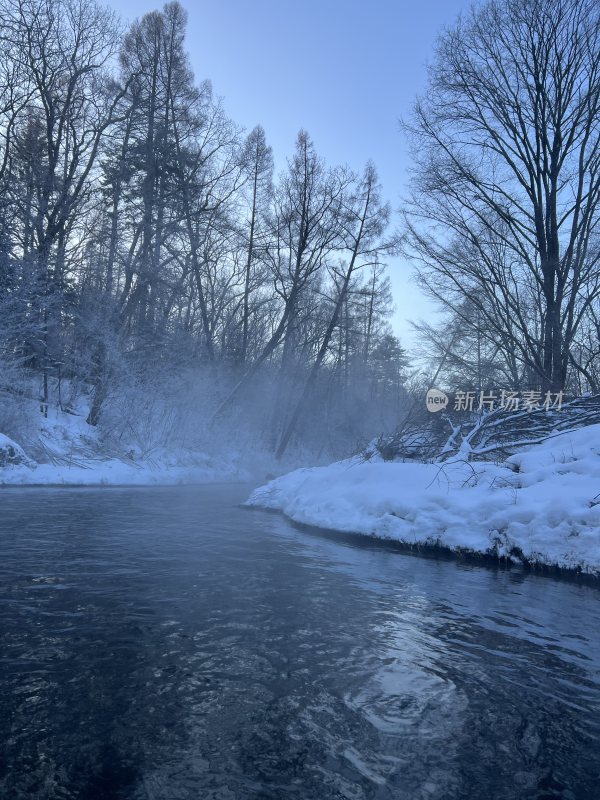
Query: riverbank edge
[[103, 484], [161, 482], [436, 550], [158, 485], [539, 508]]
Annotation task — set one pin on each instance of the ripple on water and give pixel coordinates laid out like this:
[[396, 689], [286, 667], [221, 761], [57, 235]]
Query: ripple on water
[[167, 645]]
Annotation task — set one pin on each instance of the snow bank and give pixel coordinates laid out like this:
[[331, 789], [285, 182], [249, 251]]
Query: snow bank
[[68, 452], [113, 472], [542, 506], [12, 454]]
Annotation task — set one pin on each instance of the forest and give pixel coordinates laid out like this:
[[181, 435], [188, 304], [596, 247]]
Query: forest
[[155, 270], [161, 278]]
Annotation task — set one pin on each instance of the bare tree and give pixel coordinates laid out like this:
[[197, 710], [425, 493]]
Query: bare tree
[[259, 160], [363, 224], [507, 183], [306, 230]]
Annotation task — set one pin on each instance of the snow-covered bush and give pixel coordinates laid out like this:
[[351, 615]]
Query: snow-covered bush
[[11, 454]]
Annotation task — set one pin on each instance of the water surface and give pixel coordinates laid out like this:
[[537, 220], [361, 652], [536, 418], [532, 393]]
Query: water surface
[[165, 643]]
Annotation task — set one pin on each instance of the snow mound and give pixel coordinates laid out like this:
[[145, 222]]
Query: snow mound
[[541, 507], [12, 454]]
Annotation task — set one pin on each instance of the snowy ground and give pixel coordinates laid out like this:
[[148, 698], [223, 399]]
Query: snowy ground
[[65, 450], [148, 446], [114, 472], [542, 506]]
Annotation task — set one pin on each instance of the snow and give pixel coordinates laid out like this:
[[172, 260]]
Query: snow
[[69, 452], [11, 453], [542, 506], [113, 472]]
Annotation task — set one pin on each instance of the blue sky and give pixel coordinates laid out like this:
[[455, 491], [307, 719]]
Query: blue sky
[[346, 71]]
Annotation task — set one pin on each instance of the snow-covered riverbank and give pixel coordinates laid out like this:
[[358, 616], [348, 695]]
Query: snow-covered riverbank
[[64, 450], [114, 472], [541, 507]]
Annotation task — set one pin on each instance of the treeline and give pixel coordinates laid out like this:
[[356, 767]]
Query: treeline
[[144, 236]]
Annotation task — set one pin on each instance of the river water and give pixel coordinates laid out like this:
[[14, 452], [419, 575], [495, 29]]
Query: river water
[[166, 643]]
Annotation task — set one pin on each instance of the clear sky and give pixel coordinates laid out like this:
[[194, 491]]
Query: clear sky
[[346, 71]]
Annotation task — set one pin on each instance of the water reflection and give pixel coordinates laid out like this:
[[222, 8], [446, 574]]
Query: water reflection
[[166, 643]]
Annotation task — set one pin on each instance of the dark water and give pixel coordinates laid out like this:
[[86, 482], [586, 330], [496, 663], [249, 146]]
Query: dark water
[[164, 643]]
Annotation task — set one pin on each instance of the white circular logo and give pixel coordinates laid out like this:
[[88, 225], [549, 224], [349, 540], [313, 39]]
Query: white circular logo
[[436, 400]]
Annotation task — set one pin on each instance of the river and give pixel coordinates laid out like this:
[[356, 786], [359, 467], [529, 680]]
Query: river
[[166, 644]]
